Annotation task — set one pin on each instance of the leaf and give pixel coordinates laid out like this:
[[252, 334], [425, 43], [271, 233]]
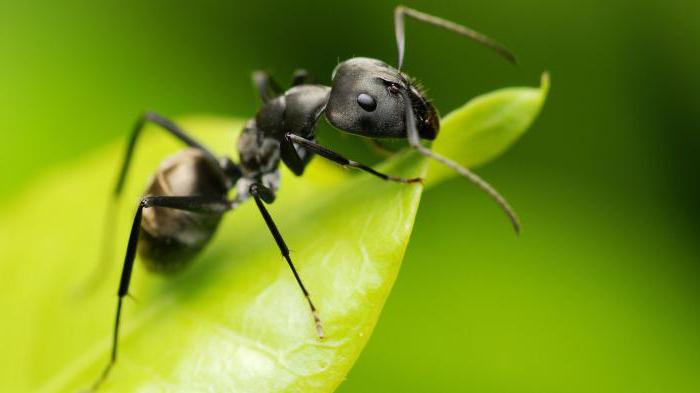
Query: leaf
[[235, 320], [486, 126]]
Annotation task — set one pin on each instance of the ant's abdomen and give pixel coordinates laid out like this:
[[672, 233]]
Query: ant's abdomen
[[170, 238]]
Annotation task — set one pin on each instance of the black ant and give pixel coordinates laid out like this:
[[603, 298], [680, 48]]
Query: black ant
[[188, 195]]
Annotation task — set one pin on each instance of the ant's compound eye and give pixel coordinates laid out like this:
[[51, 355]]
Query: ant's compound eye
[[393, 88], [367, 102]]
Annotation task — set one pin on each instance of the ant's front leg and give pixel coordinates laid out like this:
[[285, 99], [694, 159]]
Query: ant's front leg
[[295, 157], [337, 158]]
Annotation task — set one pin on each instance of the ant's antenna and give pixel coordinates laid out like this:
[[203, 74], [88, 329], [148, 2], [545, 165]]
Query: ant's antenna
[[414, 140], [400, 12]]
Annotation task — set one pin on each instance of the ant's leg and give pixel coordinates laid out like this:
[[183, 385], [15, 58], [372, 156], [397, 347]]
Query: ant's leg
[[261, 193], [337, 158], [168, 126], [94, 278], [192, 204], [414, 141], [267, 87], [295, 157], [301, 77]]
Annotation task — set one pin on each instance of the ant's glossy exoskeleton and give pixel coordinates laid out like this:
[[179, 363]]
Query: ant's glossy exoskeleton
[[188, 195]]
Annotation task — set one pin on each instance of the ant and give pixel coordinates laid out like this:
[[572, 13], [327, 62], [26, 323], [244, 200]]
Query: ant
[[188, 196]]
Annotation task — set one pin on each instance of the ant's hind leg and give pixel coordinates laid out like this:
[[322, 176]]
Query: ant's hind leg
[[167, 125], [192, 204], [338, 159], [262, 194], [95, 277]]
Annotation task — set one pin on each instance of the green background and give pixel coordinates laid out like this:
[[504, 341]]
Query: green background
[[599, 294]]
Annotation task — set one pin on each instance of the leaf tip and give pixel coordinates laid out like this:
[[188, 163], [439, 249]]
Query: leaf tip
[[544, 83]]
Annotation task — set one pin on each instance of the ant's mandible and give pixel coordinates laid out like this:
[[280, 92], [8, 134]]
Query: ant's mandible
[[188, 195]]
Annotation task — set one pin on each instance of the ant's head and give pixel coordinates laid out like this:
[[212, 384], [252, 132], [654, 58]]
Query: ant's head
[[373, 99], [367, 98]]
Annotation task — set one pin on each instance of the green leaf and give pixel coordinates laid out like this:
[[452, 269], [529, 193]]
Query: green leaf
[[235, 320], [486, 126]]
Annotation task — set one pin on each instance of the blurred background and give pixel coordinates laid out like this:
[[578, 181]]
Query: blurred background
[[599, 294]]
